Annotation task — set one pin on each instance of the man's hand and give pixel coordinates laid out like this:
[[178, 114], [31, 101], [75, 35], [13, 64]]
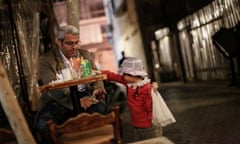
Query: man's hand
[[86, 102], [99, 93]]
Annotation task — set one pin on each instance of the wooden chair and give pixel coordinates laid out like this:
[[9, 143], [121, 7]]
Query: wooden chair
[[88, 129]]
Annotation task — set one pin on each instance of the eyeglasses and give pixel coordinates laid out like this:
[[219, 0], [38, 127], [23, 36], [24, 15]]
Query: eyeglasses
[[71, 43]]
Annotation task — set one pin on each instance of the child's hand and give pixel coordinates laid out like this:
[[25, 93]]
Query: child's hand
[[97, 71], [155, 85]]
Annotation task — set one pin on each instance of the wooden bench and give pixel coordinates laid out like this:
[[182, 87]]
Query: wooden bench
[[88, 129]]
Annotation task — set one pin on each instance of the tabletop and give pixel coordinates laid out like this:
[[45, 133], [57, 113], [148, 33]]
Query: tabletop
[[83, 80]]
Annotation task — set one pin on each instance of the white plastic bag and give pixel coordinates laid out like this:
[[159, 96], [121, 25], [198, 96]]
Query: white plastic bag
[[162, 116]]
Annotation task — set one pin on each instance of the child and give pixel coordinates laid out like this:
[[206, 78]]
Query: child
[[133, 76]]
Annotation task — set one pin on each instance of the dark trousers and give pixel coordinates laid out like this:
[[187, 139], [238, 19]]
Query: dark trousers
[[52, 111]]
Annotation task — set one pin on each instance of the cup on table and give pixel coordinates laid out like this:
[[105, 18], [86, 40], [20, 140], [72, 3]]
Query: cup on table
[[75, 62]]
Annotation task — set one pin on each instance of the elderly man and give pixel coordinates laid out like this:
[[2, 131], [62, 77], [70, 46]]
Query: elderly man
[[57, 104]]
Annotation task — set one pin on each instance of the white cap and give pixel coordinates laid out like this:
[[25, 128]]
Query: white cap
[[132, 66]]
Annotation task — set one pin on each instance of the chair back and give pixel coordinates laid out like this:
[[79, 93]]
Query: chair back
[[89, 128]]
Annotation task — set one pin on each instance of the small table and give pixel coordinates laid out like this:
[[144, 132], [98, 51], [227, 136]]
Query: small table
[[72, 84]]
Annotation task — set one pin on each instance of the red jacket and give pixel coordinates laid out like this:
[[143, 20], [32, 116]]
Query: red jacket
[[139, 101]]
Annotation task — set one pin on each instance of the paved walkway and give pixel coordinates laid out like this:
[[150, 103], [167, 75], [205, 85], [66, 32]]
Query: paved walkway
[[206, 113], [157, 140]]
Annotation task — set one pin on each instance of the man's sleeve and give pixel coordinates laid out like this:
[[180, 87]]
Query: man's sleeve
[[46, 75]]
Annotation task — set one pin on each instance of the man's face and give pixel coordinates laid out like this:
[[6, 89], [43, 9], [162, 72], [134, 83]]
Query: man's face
[[70, 44]]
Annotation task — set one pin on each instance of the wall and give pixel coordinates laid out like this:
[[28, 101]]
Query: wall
[[126, 33]]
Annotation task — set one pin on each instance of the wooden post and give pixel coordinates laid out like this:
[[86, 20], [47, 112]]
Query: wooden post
[[52, 23], [73, 12], [13, 111]]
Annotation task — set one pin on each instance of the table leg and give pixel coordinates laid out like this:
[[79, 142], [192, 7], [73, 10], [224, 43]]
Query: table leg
[[75, 100]]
